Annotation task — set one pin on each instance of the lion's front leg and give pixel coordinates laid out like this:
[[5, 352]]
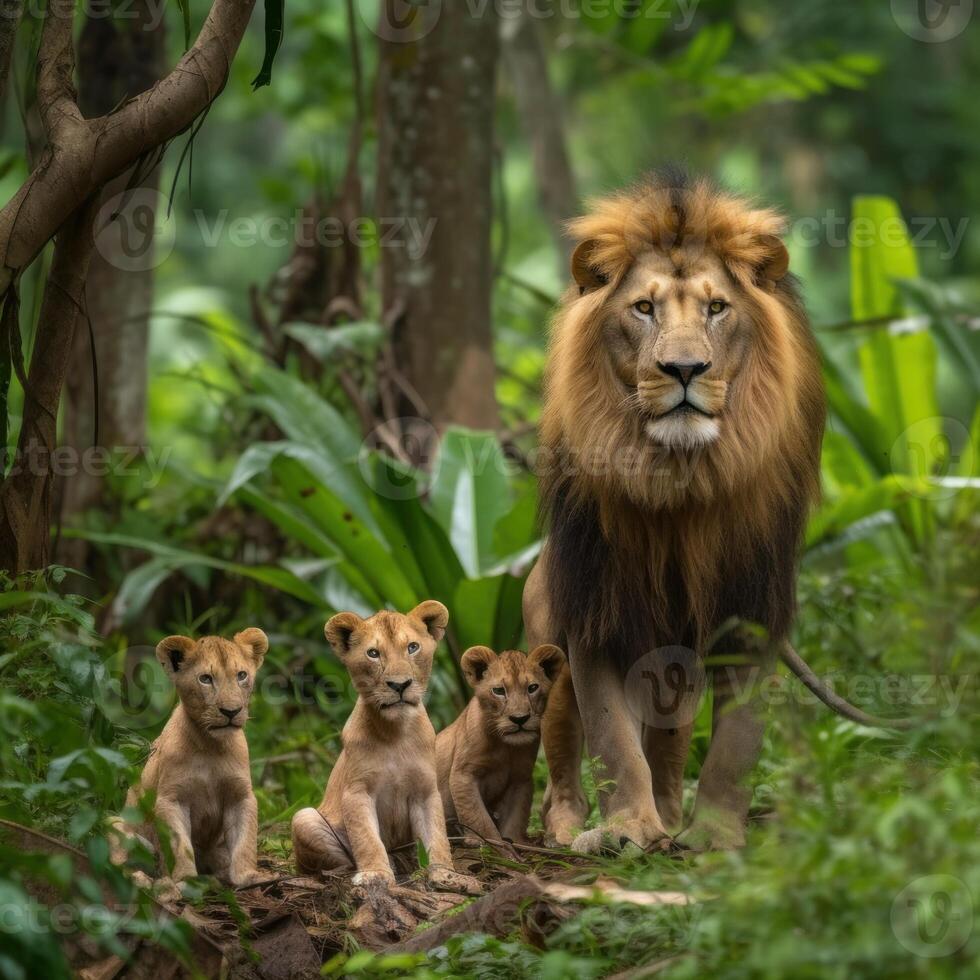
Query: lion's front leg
[[429, 826], [737, 728], [612, 733]]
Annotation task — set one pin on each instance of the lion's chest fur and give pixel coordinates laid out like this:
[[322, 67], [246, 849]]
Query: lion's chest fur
[[396, 771]]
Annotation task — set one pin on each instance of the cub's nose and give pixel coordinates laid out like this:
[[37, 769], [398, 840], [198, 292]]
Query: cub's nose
[[229, 713], [684, 371], [399, 687], [519, 721]]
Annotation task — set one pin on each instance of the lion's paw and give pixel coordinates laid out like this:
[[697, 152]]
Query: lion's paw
[[365, 878], [710, 837], [616, 838], [448, 880]]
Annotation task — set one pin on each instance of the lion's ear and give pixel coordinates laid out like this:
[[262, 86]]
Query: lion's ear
[[434, 615], [549, 658], [175, 652], [339, 630], [475, 663], [586, 275], [775, 260], [255, 641]]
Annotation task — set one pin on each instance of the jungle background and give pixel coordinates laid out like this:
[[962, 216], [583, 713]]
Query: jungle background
[[292, 426]]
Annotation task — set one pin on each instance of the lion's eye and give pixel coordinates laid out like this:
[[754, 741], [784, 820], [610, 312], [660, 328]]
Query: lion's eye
[[498, 691], [414, 647], [717, 306], [242, 676], [531, 688], [644, 307], [374, 654], [206, 679]]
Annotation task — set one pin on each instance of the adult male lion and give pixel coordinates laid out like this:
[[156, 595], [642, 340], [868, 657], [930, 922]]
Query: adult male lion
[[683, 420]]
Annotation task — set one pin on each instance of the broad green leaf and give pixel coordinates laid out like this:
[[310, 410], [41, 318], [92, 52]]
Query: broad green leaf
[[899, 371], [326, 343], [470, 493]]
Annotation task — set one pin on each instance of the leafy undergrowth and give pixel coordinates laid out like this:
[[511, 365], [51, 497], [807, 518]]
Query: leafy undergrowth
[[863, 857]]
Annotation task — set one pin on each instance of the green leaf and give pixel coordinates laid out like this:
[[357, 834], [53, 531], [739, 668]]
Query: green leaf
[[185, 9], [274, 10], [423, 854], [326, 343], [470, 493]]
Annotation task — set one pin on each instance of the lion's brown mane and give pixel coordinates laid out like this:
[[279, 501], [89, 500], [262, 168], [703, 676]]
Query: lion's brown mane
[[651, 546]]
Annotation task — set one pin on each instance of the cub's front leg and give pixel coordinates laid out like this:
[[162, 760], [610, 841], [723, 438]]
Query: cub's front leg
[[177, 818], [360, 814], [429, 826], [515, 811], [241, 830]]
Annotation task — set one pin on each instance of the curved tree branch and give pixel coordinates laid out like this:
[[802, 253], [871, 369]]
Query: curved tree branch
[[80, 158]]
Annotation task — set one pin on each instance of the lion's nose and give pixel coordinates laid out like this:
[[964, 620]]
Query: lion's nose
[[684, 371], [399, 687], [519, 721], [230, 713]]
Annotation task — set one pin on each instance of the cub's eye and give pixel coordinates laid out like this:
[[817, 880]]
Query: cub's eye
[[644, 307], [531, 688], [717, 306], [414, 647], [374, 654], [242, 676], [498, 691], [206, 679]]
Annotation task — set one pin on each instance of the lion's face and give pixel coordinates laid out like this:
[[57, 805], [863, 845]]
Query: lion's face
[[389, 656], [676, 335], [215, 677], [513, 688]]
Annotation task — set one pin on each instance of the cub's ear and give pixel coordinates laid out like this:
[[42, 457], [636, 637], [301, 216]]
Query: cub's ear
[[339, 631], [549, 658], [775, 260], [475, 663], [586, 275], [175, 653], [435, 616], [253, 640]]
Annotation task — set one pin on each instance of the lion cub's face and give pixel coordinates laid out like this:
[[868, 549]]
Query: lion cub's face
[[388, 655], [513, 688], [214, 677], [677, 333]]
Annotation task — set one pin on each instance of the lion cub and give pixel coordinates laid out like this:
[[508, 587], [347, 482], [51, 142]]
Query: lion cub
[[199, 764], [382, 792], [485, 758]]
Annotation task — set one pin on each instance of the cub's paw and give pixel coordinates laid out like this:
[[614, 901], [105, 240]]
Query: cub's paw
[[448, 880], [366, 878], [142, 880], [563, 823], [245, 879], [168, 891]]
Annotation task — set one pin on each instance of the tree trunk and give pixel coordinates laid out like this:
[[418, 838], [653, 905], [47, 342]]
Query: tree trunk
[[541, 113], [119, 59], [435, 155], [25, 495], [10, 14]]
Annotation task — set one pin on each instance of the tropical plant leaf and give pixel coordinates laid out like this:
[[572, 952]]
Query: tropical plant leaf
[[274, 16]]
